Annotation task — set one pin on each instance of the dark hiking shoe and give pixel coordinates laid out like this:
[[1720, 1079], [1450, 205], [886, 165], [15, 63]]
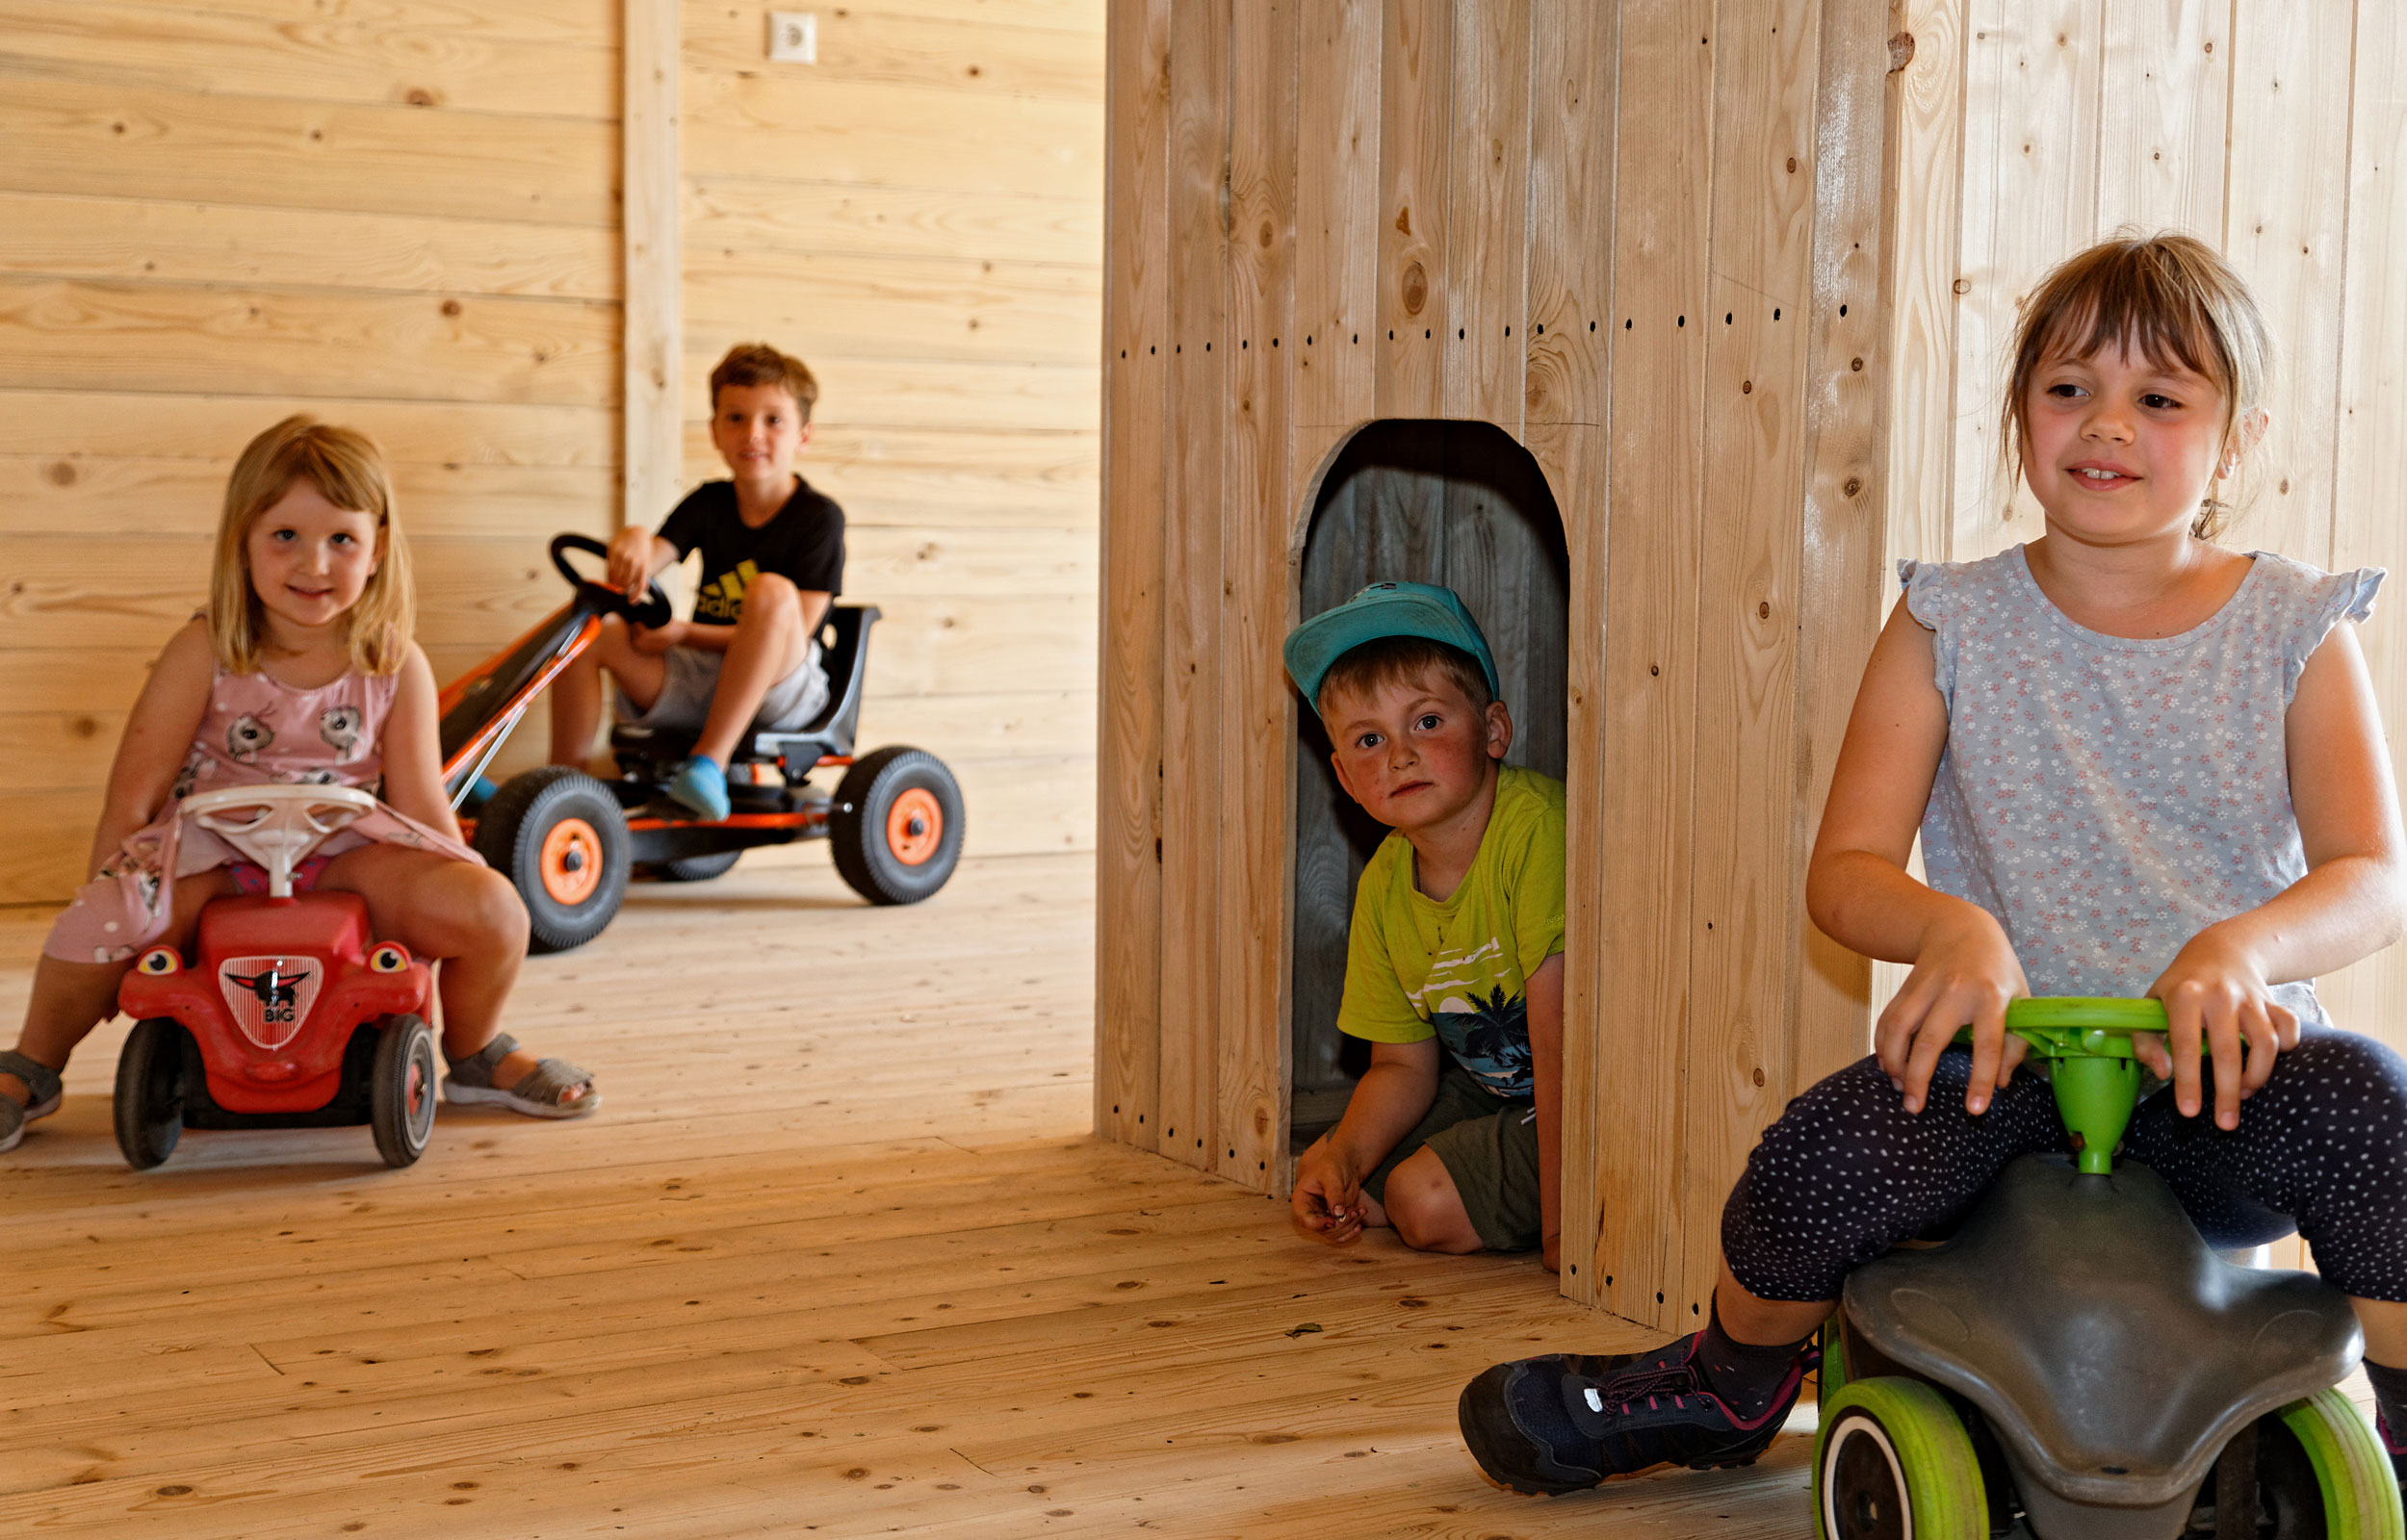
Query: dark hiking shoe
[[1566, 1420], [2394, 1449]]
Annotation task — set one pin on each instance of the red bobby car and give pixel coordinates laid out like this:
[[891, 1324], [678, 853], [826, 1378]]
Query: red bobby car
[[294, 1017]]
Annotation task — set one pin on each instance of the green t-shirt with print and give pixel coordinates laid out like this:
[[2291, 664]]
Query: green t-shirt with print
[[1459, 969]]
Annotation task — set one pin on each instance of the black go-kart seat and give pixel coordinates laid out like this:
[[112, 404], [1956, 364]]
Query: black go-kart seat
[[843, 651], [2110, 1351]]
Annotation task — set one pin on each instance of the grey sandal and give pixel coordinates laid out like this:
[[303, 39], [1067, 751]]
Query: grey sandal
[[537, 1094], [41, 1080]]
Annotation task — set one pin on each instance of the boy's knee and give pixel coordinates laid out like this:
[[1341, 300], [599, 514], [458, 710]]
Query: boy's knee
[[1425, 1209], [772, 598]]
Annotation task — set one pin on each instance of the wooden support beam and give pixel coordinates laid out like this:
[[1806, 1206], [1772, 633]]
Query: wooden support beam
[[652, 469]]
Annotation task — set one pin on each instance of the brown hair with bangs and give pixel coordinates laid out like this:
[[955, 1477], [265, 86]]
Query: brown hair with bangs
[[348, 470], [2169, 297], [1386, 660], [760, 364]]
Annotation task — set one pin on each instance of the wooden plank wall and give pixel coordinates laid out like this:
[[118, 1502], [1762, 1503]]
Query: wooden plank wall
[[402, 217], [2272, 131], [917, 216], [1615, 235]]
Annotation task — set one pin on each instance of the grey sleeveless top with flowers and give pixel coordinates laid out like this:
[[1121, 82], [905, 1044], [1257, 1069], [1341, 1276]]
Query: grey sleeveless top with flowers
[[2107, 798]]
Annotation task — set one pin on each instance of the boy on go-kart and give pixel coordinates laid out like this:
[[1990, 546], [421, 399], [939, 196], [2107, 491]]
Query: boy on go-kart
[[772, 561]]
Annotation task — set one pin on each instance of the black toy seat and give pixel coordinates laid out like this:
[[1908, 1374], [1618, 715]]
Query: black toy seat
[[2112, 1353], [843, 651]]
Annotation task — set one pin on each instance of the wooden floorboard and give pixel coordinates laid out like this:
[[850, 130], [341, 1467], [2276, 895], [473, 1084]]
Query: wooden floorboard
[[836, 1258]]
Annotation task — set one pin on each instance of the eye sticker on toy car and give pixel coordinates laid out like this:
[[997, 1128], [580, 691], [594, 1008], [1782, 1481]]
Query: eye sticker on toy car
[[270, 996]]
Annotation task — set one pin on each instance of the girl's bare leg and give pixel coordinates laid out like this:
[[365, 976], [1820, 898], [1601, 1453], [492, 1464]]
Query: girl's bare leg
[[72, 998], [469, 916], [1765, 1322]]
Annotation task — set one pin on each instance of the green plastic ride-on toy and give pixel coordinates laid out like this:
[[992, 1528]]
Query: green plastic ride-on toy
[[2075, 1363]]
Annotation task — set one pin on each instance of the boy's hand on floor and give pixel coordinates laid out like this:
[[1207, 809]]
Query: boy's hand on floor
[[1328, 1201]]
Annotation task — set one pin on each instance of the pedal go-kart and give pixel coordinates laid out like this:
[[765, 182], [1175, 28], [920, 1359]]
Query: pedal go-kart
[[570, 842], [2076, 1364], [292, 1016]]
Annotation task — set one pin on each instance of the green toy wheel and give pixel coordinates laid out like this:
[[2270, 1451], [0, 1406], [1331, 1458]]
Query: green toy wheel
[[1893, 1461], [2360, 1492], [1832, 1376]]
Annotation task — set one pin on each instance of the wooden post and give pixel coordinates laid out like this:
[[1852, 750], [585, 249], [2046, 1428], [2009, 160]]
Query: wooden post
[[652, 469]]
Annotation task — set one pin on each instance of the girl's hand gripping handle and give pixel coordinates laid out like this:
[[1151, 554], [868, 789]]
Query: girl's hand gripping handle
[[1965, 971], [2216, 991]]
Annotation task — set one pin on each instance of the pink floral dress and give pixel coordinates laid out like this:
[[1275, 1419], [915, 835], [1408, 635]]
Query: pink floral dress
[[257, 731]]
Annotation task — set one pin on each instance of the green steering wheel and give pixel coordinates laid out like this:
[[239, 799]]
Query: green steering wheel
[[2087, 1043]]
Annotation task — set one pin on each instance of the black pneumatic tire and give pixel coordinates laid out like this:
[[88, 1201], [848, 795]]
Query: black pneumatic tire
[[698, 868], [400, 1093], [857, 825], [149, 1108], [512, 836]]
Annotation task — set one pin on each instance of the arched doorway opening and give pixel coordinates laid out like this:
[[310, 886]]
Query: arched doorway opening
[[1440, 501]]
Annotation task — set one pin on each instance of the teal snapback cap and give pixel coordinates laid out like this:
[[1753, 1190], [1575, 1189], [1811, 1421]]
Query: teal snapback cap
[[1385, 609]]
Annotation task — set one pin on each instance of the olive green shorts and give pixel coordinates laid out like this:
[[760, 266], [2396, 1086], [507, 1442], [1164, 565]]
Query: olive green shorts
[[1490, 1146]]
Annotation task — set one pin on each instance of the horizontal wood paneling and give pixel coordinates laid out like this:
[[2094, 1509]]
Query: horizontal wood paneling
[[61, 235], [822, 128], [338, 58], [137, 421], [70, 335], [868, 306], [73, 136], [132, 496], [736, 212], [903, 45]]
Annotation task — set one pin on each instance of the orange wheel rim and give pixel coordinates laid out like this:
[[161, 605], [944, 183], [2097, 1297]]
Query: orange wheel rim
[[572, 861], [915, 826]]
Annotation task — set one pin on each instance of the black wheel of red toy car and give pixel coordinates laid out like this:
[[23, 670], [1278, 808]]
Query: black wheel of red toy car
[[558, 835], [400, 1093], [150, 1091], [895, 826], [698, 868]]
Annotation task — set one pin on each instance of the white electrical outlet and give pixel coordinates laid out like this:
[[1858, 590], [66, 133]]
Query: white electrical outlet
[[795, 37]]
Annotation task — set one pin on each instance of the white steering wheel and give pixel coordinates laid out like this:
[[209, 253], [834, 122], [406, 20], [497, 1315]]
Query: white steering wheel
[[276, 825]]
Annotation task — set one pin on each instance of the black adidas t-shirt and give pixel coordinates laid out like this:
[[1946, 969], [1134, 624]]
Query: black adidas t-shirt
[[804, 545]]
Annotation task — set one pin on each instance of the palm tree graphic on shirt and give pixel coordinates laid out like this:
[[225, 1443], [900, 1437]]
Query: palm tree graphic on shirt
[[1489, 1035]]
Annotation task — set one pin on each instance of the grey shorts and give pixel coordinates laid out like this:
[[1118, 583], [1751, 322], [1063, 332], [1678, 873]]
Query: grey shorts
[[1490, 1146], [684, 703]]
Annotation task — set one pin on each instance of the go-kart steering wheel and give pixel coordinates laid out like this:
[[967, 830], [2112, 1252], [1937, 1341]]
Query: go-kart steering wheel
[[653, 610]]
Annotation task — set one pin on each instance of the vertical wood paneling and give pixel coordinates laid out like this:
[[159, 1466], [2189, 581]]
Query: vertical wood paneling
[[1574, 73], [2030, 199], [1256, 767], [2165, 101], [2290, 170], [1663, 198], [1845, 517], [1416, 113], [1924, 152], [2372, 448], [1743, 923], [1487, 215], [1337, 196], [1136, 330], [654, 319], [1191, 687]]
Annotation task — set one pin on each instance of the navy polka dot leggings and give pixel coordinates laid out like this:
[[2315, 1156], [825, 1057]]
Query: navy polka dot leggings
[[1848, 1172]]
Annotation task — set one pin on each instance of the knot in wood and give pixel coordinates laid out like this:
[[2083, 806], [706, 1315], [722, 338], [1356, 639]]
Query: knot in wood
[[1855, 484], [1415, 289], [1900, 51]]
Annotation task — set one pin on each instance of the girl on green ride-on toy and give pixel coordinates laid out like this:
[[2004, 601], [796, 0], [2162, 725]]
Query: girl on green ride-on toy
[[2140, 764]]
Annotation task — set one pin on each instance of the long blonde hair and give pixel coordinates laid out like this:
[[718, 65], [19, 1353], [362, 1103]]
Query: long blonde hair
[[2170, 297], [347, 469]]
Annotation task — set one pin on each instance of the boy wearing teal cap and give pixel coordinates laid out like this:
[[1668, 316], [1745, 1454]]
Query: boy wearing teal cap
[[1456, 938]]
